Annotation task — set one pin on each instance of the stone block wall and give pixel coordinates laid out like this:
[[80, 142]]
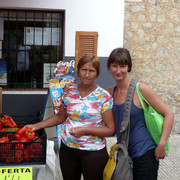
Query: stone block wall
[[152, 35]]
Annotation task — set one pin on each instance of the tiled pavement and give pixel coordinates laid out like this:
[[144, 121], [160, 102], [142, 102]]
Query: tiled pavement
[[170, 166]]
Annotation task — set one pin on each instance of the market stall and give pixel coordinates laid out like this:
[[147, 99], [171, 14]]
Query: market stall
[[37, 157], [22, 151]]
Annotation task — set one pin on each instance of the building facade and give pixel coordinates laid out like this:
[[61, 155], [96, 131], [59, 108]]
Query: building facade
[[151, 33], [44, 33]]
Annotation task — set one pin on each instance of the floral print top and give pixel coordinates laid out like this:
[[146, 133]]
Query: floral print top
[[85, 112]]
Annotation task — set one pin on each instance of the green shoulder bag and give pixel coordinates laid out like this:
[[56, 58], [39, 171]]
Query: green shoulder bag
[[154, 120]]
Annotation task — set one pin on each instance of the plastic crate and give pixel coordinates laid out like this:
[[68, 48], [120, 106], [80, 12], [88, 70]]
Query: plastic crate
[[24, 153]]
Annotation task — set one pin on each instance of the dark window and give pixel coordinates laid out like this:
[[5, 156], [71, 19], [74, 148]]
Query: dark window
[[31, 43]]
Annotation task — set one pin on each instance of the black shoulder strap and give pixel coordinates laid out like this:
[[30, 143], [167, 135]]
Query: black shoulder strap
[[125, 124]]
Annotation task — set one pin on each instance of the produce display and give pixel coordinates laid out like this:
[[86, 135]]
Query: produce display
[[7, 121], [18, 144], [25, 134]]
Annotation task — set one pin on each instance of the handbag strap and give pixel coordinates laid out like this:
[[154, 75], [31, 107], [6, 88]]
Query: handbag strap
[[141, 96], [125, 124]]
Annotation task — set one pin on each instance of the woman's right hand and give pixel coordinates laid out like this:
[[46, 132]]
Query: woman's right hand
[[32, 126]]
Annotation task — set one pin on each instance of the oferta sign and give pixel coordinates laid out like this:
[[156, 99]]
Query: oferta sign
[[20, 173]]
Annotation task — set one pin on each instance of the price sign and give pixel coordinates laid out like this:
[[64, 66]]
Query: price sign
[[18, 173]]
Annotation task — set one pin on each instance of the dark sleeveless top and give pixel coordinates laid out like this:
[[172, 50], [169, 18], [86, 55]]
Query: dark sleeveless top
[[140, 141]]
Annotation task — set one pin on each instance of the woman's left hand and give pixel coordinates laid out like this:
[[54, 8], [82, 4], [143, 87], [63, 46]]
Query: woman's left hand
[[76, 131], [66, 87], [160, 152]]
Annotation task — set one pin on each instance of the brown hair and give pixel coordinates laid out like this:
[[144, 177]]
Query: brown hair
[[121, 56], [90, 58]]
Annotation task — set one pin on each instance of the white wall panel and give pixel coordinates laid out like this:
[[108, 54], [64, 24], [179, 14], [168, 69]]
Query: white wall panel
[[104, 16]]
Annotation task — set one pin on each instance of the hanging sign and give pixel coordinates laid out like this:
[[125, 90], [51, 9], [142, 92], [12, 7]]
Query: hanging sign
[[17, 173]]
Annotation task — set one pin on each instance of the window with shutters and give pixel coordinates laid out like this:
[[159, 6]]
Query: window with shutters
[[86, 43]]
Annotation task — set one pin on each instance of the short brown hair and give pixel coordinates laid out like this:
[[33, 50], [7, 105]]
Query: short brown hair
[[121, 56], [90, 58]]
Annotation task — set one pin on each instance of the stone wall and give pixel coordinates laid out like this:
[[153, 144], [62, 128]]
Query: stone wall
[[152, 34]]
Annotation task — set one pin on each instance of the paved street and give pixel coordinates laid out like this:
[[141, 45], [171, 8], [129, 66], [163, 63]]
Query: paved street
[[170, 166]]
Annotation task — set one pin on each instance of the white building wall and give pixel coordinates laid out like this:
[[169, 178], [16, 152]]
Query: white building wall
[[103, 16]]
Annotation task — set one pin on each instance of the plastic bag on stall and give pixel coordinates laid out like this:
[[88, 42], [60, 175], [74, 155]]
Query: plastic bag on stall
[[48, 173]]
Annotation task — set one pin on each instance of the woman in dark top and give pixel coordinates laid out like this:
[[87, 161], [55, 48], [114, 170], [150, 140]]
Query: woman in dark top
[[142, 149]]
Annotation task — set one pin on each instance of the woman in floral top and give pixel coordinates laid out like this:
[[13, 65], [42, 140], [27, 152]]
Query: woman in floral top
[[86, 113]]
